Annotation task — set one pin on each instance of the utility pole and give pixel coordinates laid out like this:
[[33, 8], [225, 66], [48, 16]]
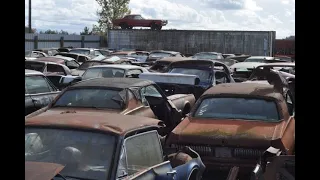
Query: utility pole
[[30, 30]]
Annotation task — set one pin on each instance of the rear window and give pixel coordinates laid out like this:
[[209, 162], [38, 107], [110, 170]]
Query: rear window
[[160, 54], [80, 51], [238, 108], [34, 66]]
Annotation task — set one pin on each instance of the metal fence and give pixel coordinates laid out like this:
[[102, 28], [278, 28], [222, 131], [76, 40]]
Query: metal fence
[[36, 41]]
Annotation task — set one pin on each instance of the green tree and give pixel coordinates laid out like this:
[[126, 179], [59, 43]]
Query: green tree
[[111, 10], [86, 31]]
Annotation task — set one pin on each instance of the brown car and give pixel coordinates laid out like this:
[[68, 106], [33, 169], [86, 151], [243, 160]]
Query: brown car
[[232, 124], [102, 146], [128, 96], [41, 170], [161, 65]]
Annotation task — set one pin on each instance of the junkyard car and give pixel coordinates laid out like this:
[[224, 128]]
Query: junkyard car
[[84, 66], [80, 58], [139, 56], [113, 70], [161, 65], [42, 171], [86, 51], [210, 72], [129, 96], [67, 61], [208, 55], [159, 54], [48, 51], [243, 70], [232, 124], [39, 91], [106, 146], [136, 20], [31, 55]]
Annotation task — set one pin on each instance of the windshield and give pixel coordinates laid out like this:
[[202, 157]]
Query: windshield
[[103, 72], [80, 51], [34, 66], [139, 57], [205, 56], [84, 154], [238, 108], [160, 66], [255, 60], [203, 75], [160, 54], [91, 98]]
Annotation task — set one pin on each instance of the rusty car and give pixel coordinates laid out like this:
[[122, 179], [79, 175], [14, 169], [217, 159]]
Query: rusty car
[[107, 60], [161, 65], [104, 146], [159, 54], [113, 70], [67, 61], [80, 58], [39, 91], [136, 20], [128, 96], [233, 124], [48, 51]]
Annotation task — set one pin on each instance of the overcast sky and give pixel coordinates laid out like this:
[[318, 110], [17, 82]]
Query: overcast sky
[[260, 15]]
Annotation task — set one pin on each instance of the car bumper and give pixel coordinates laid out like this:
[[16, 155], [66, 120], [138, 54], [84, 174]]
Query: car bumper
[[213, 163]]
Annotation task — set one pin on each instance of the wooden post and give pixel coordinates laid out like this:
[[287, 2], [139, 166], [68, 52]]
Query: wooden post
[[61, 41], [82, 41]]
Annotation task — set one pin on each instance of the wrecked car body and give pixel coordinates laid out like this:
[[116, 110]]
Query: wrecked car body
[[232, 124], [42, 170], [161, 65], [128, 96], [106, 146]]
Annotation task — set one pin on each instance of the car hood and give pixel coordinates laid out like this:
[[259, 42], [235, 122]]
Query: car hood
[[41, 170], [245, 65], [77, 72], [237, 132]]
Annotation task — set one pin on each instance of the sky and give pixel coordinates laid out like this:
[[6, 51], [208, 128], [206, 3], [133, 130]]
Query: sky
[[257, 15]]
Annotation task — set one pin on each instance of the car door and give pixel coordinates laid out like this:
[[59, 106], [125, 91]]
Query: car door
[[139, 152], [39, 92]]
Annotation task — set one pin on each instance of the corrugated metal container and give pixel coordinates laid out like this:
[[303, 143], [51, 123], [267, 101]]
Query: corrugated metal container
[[190, 42], [285, 47]]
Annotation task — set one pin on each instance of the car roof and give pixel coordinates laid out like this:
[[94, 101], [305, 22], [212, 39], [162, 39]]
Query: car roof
[[108, 122], [43, 62], [261, 57], [64, 57], [245, 89], [173, 59], [85, 48], [162, 51], [52, 59], [120, 66], [284, 64], [208, 52], [32, 72], [127, 52], [119, 83]]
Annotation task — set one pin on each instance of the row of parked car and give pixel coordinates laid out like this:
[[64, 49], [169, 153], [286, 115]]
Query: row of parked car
[[114, 117]]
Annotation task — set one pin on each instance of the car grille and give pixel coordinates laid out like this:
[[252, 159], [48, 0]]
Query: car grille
[[241, 153]]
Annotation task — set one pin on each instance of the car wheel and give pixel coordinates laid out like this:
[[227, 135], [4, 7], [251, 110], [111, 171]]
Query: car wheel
[[153, 26], [124, 26], [159, 27], [130, 27]]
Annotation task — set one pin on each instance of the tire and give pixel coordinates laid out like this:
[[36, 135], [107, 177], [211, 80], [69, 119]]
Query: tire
[[123, 25], [153, 26], [194, 175], [130, 27], [159, 27]]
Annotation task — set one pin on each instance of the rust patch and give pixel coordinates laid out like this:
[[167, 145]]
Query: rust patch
[[41, 170]]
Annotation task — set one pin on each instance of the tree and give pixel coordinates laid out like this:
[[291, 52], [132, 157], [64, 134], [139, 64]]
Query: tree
[[26, 30], [86, 31], [49, 31], [111, 10]]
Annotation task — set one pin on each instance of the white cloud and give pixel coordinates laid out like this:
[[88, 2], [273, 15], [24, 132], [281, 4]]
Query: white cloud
[[74, 15]]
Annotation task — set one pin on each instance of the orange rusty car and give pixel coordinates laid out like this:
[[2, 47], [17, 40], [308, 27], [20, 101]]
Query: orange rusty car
[[232, 124], [128, 96]]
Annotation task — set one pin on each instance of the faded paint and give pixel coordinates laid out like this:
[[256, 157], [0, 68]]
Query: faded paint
[[41, 170], [191, 42]]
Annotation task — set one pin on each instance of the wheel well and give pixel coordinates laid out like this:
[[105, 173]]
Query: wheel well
[[187, 107], [193, 175]]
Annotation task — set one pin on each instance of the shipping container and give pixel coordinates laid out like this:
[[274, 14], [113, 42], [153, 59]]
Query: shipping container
[[193, 41]]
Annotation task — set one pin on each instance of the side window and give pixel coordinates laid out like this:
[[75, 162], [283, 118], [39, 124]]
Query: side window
[[82, 59], [133, 73], [97, 53], [72, 64], [141, 151], [37, 84], [91, 73], [220, 77], [52, 68], [150, 91]]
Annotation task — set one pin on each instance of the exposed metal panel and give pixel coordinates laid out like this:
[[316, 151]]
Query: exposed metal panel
[[190, 42], [29, 46], [72, 37]]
